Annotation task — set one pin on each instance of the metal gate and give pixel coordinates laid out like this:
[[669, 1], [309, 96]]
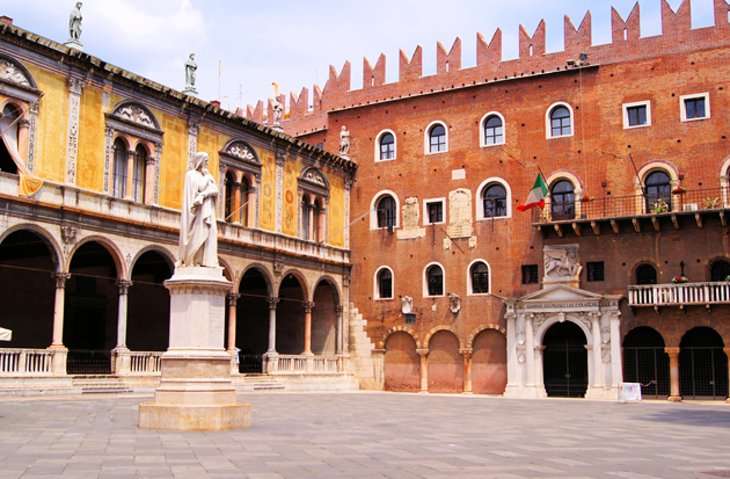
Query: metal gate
[[565, 361], [250, 363], [703, 373], [645, 362], [89, 361]]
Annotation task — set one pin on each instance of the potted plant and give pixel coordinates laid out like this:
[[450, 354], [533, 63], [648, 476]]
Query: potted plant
[[660, 206], [679, 190], [679, 279]]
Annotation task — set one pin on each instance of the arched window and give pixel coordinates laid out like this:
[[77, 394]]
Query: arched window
[[435, 280], [245, 198], [720, 270], [495, 201], [384, 286], [386, 212], [645, 274], [562, 197], [493, 130], [120, 169], [658, 188], [138, 173], [560, 122], [437, 138], [230, 186], [386, 146], [479, 277], [9, 130]]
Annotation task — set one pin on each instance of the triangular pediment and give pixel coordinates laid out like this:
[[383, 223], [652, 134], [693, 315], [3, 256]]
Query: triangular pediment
[[560, 293]]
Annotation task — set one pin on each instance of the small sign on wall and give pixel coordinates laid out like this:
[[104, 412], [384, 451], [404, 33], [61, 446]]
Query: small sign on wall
[[459, 174], [629, 392]]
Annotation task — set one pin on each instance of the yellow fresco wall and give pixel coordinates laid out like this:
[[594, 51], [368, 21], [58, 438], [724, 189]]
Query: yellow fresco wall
[[336, 213], [290, 207], [267, 213], [52, 125], [211, 142], [174, 159], [92, 141]]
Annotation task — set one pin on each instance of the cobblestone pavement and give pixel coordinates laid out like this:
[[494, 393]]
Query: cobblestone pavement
[[372, 435]]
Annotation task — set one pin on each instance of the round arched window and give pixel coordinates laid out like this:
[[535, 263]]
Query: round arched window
[[658, 192], [562, 196]]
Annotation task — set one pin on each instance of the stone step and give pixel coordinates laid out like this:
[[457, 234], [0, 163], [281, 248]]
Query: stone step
[[106, 389], [268, 386]]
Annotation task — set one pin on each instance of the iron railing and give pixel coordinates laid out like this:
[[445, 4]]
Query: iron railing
[[606, 207]]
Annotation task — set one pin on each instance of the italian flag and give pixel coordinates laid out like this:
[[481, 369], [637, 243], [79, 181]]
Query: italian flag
[[537, 195]]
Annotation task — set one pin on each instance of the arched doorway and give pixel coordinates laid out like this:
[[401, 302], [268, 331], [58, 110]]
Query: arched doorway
[[252, 321], [565, 361], [445, 364], [489, 362], [27, 263], [645, 362], [290, 316], [90, 319], [401, 364], [324, 319], [148, 304], [702, 365]]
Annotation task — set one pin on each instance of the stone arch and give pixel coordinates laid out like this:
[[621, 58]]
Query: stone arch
[[445, 362], [164, 252], [489, 360], [559, 318], [401, 363], [261, 268], [294, 299], [57, 256], [228, 271], [137, 113], [13, 71], [441, 327], [480, 329], [332, 282], [398, 329], [301, 277], [112, 249], [645, 361], [326, 298], [148, 301]]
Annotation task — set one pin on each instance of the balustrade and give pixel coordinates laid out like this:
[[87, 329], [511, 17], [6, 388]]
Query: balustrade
[[681, 294], [26, 362]]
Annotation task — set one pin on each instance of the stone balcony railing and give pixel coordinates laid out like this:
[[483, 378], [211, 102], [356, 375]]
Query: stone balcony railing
[[108, 207], [679, 295], [25, 362], [304, 364]]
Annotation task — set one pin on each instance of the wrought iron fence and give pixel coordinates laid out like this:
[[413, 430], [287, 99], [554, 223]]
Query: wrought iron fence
[[250, 363], [89, 361], [679, 200]]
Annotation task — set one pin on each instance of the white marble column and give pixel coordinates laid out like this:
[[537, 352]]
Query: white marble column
[[532, 352], [512, 362], [597, 370], [232, 321], [616, 366], [272, 324], [122, 359], [58, 309]]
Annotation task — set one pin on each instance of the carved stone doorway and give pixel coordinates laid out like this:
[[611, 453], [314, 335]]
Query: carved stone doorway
[[565, 361]]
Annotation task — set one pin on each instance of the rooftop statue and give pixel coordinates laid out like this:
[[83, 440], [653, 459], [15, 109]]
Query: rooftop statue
[[74, 23], [190, 69]]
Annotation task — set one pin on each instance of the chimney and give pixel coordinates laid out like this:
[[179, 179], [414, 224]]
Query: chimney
[[6, 19]]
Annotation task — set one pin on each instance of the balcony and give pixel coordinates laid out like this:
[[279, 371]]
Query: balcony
[[635, 212], [679, 295]]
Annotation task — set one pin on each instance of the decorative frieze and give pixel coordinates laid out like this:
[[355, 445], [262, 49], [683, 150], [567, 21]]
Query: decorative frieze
[[72, 137]]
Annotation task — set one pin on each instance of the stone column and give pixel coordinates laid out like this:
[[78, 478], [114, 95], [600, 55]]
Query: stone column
[[310, 214], [423, 353], [232, 318], [467, 353], [308, 307], [23, 137], [58, 363], [673, 354], [122, 360], [272, 357], [512, 361], [251, 206], [149, 180], [236, 213], [727, 353], [597, 379], [129, 191], [531, 352], [339, 340], [322, 223]]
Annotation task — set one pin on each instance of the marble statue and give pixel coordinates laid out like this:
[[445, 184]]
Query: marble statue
[[278, 110], [198, 228], [344, 141], [190, 68], [74, 23]]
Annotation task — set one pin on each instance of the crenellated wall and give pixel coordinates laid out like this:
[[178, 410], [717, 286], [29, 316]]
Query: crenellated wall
[[627, 45]]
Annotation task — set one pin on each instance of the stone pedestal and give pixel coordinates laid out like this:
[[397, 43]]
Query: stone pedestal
[[75, 44], [195, 392]]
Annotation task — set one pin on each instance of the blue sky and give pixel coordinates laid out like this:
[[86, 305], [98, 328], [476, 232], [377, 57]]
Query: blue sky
[[293, 42]]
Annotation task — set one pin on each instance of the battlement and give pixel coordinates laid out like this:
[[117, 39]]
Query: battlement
[[626, 45]]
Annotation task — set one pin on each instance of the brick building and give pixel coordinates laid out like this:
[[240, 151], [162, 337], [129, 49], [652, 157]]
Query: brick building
[[93, 159], [622, 277]]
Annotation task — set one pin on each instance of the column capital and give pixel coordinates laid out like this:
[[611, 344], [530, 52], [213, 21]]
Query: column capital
[[61, 279], [124, 285], [308, 306], [339, 309], [232, 298], [466, 352], [672, 352], [273, 301], [422, 352]]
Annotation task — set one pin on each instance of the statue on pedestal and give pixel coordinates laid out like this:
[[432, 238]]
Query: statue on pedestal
[[344, 141], [198, 227], [74, 27], [190, 69]]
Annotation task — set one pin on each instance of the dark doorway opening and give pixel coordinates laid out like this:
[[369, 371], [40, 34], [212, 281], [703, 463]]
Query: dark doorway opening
[[565, 361], [645, 362], [702, 365]]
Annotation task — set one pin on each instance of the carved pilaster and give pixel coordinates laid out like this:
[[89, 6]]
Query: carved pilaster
[[34, 108], [72, 137], [193, 129], [158, 154], [108, 152]]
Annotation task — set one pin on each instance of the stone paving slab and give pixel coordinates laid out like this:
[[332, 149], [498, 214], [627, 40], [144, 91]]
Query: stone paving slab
[[371, 435]]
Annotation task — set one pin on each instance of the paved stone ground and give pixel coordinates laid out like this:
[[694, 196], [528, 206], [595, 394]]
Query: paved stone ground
[[372, 435]]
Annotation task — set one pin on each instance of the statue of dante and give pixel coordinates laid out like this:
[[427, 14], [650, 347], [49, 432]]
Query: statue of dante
[[190, 68], [198, 229], [74, 22]]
